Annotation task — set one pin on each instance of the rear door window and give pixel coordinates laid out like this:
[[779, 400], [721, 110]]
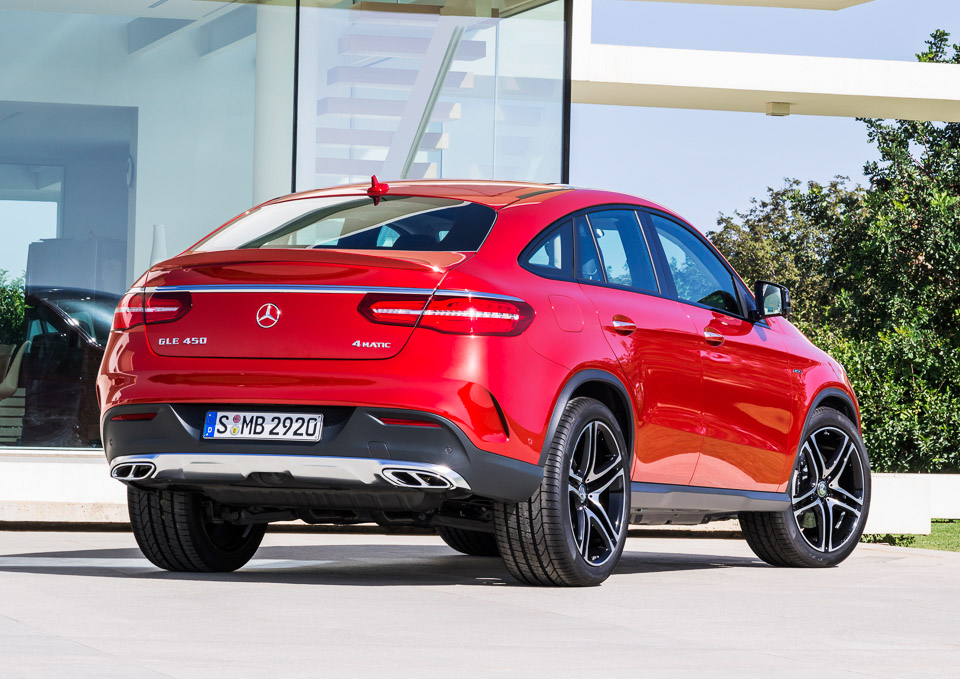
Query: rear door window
[[624, 258], [589, 266]]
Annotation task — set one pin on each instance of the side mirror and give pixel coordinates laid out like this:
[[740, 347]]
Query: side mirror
[[772, 300]]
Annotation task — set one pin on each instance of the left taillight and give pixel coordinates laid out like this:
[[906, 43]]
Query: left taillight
[[138, 308], [460, 315]]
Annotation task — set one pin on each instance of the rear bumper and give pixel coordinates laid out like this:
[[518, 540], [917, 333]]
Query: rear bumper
[[357, 452], [207, 468]]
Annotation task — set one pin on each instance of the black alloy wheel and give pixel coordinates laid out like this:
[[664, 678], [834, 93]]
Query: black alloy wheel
[[573, 530], [827, 490], [597, 490], [829, 493]]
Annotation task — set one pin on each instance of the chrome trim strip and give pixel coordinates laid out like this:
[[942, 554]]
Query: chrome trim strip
[[328, 290], [475, 293], [312, 289], [661, 496], [232, 468]]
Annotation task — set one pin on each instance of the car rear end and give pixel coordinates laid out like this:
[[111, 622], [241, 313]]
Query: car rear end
[[320, 358]]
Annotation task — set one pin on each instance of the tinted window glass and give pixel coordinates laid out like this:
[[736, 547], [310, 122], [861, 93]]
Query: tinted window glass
[[698, 273], [626, 258], [553, 254], [352, 223], [588, 263]]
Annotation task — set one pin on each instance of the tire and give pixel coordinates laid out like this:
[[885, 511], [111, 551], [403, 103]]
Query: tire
[[830, 499], [470, 542], [174, 533], [571, 532]]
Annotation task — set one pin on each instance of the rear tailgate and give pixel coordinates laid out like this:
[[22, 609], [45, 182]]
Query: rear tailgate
[[288, 304]]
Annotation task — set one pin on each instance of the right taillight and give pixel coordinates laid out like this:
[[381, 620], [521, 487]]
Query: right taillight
[[461, 315], [137, 308]]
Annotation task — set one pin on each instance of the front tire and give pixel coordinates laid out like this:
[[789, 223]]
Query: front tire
[[830, 499], [572, 531], [174, 532]]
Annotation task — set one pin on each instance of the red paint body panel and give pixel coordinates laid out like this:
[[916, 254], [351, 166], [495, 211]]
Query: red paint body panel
[[311, 325], [662, 364], [747, 404], [719, 416]]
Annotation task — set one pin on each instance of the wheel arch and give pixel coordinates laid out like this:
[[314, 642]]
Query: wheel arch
[[602, 386], [836, 399], [830, 397]]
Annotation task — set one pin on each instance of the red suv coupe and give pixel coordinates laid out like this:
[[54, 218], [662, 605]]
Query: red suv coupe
[[527, 368]]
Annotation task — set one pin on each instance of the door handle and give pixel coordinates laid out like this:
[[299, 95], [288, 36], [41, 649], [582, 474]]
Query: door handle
[[713, 337], [622, 325]]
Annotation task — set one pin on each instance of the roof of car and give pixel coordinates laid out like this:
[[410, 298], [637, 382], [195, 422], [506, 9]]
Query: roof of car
[[495, 194], [492, 193]]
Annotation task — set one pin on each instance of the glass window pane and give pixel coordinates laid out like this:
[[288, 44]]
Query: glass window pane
[[626, 258], [128, 131], [588, 266], [418, 95], [698, 274], [400, 223], [554, 255]]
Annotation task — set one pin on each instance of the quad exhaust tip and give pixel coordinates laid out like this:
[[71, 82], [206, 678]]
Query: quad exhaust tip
[[133, 471], [417, 478]]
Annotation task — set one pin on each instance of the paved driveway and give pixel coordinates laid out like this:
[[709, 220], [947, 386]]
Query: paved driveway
[[320, 605]]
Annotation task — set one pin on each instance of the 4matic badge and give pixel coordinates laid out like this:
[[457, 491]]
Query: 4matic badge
[[371, 345]]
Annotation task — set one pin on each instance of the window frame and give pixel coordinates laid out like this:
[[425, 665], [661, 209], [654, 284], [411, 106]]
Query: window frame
[[568, 218], [739, 286], [585, 212]]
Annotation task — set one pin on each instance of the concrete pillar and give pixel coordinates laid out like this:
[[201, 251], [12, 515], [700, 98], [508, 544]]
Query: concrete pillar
[[273, 102]]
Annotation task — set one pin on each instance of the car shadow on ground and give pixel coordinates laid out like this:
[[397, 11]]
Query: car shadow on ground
[[381, 565]]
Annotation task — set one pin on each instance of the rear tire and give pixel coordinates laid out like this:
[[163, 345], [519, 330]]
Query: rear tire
[[174, 533], [470, 542], [572, 531], [830, 499]]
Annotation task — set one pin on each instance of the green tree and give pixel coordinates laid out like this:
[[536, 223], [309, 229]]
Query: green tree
[[12, 305], [875, 276], [787, 237], [901, 253]]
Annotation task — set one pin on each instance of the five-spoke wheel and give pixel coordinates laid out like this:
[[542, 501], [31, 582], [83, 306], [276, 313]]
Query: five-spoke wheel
[[828, 489], [829, 499], [572, 531], [597, 493]]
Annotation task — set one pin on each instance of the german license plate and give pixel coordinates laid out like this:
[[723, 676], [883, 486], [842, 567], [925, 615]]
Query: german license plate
[[263, 426]]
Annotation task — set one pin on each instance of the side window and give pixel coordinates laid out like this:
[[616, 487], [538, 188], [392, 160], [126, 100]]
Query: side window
[[588, 263], [698, 273], [551, 255], [624, 256], [623, 249]]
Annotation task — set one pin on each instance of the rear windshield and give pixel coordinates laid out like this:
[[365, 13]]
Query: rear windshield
[[351, 223]]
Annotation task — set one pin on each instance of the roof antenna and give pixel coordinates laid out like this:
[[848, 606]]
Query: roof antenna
[[377, 190]]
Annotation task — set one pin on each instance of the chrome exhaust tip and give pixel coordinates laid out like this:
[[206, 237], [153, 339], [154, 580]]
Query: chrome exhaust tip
[[417, 478], [133, 471]]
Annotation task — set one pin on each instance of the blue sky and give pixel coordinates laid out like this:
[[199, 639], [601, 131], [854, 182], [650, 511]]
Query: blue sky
[[702, 163]]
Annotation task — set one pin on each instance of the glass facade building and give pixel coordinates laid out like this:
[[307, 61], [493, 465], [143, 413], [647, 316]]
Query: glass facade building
[[129, 129]]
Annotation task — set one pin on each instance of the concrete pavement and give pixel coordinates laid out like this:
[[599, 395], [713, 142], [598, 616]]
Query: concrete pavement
[[320, 605]]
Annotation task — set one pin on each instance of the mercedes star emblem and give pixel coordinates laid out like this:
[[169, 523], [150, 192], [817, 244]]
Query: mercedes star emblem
[[268, 315]]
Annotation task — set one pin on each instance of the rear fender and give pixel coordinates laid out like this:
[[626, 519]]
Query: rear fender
[[566, 393]]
